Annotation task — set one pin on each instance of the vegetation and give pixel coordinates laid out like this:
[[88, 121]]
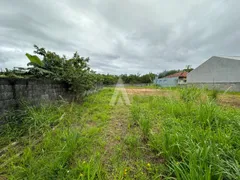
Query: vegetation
[[197, 138], [69, 148], [74, 71], [108, 79], [170, 72], [137, 78], [183, 136]]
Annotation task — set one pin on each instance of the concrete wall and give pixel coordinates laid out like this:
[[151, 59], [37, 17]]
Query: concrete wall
[[13, 91], [231, 87], [216, 70]]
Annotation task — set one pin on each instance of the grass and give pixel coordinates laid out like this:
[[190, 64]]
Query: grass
[[197, 138], [30, 121], [188, 136]]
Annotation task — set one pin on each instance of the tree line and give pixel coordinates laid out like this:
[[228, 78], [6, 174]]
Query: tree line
[[75, 71]]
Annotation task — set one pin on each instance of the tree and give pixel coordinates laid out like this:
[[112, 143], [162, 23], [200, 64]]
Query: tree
[[167, 73], [188, 68], [74, 71]]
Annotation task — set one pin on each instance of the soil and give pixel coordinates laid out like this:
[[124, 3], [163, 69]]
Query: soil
[[229, 100], [149, 92]]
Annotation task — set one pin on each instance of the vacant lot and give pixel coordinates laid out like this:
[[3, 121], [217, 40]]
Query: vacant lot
[[162, 134], [227, 99]]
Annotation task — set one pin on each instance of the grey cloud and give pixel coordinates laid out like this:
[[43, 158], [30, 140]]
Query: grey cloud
[[105, 56], [132, 36]]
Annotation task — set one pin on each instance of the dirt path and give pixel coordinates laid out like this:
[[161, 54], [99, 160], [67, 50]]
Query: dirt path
[[145, 91], [114, 136]]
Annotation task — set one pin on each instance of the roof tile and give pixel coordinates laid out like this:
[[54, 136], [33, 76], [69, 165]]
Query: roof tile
[[178, 74]]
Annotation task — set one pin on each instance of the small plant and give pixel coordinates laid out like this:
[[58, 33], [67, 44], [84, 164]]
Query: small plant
[[132, 141], [145, 126], [214, 94], [190, 94]]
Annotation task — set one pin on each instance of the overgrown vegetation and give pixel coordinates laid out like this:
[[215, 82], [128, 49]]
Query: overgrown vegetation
[[138, 79], [188, 136], [197, 138], [69, 149], [75, 71], [29, 121]]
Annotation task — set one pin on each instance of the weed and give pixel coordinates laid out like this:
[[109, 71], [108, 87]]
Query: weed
[[196, 137], [190, 137], [213, 94]]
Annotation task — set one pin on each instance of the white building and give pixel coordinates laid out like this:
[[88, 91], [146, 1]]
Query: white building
[[221, 73], [172, 80]]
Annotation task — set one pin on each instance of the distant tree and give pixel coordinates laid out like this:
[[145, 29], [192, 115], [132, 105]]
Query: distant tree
[[170, 72], [167, 73], [137, 78], [188, 68], [147, 78], [108, 79]]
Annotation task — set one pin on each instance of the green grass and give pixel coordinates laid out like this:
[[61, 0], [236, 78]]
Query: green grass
[[30, 121], [197, 138], [185, 137], [72, 150]]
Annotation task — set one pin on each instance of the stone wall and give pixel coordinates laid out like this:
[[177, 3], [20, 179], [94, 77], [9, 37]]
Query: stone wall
[[15, 91], [232, 87]]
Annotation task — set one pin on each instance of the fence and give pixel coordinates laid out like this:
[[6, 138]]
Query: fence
[[13, 91]]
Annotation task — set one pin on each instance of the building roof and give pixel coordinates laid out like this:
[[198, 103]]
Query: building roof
[[178, 74], [217, 69], [230, 57]]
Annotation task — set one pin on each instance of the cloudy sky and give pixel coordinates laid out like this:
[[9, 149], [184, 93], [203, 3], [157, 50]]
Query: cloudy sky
[[121, 36]]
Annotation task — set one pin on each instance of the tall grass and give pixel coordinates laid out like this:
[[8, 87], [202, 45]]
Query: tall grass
[[30, 121], [180, 137], [70, 150], [198, 138]]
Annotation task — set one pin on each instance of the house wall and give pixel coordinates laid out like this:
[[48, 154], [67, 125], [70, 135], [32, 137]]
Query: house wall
[[231, 87], [167, 82], [216, 70], [13, 91], [182, 81]]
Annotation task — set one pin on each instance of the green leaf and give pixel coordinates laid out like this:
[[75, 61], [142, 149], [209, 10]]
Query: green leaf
[[34, 60]]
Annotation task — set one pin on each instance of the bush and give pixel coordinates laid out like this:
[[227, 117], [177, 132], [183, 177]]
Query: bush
[[74, 71]]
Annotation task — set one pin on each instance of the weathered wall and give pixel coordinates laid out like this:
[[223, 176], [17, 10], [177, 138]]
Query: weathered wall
[[13, 91], [233, 87]]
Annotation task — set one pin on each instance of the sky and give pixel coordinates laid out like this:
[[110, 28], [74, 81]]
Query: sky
[[121, 36]]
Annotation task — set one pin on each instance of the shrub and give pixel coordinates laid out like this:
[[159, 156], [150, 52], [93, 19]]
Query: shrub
[[74, 71]]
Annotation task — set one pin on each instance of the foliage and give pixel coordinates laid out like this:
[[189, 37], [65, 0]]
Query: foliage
[[213, 94], [171, 137], [108, 79], [137, 78], [34, 60], [188, 68], [170, 72], [74, 71], [28, 121], [68, 148], [197, 138], [167, 73]]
